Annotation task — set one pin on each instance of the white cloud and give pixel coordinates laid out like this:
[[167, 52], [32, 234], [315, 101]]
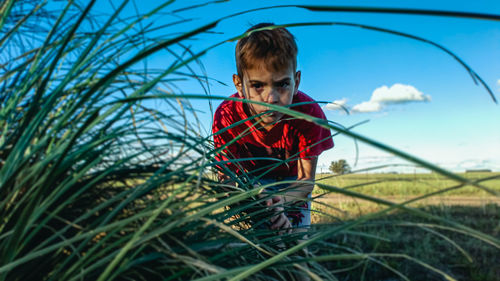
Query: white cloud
[[336, 105], [367, 106], [498, 82], [396, 94]]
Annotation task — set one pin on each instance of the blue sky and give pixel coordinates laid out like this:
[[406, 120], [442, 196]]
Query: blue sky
[[420, 99]]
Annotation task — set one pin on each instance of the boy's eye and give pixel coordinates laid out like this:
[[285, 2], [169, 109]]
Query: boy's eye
[[257, 85], [283, 84]]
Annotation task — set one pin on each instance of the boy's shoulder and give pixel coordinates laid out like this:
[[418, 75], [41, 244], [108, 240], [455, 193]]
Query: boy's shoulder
[[306, 104], [230, 110], [301, 97], [229, 106]]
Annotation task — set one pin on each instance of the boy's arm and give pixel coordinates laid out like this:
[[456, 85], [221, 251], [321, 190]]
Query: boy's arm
[[306, 171]]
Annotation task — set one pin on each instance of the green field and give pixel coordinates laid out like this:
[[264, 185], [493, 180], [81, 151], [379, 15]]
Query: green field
[[331, 206], [395, 246], [407, 184], [403, 244]]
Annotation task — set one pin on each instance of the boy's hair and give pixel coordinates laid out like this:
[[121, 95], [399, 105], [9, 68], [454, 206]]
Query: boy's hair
[[275, 46]]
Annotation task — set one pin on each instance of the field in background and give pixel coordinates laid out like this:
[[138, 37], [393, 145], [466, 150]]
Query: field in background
[[408, 237], [331, 207], [406, 184], [400, 240]]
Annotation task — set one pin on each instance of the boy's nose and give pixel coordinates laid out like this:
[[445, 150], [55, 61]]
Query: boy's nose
[[273, 97]]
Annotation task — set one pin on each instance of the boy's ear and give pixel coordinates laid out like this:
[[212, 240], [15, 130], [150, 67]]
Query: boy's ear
[[297, 82], [238, 84]]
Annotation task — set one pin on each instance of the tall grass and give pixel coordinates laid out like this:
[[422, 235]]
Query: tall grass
[[104, 173]]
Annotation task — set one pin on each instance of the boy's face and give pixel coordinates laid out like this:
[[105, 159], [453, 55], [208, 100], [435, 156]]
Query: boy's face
[[273, 87]]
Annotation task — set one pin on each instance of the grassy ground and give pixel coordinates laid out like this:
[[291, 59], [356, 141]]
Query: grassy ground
[[408, 238], [460, 256]]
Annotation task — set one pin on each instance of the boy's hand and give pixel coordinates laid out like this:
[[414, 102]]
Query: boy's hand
[[280, 220]]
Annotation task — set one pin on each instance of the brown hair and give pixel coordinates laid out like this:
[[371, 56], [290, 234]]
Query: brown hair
[[275, 46]]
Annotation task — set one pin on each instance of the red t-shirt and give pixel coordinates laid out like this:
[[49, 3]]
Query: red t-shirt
[[290, 139]]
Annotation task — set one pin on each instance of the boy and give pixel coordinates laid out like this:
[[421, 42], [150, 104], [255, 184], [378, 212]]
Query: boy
[[266, 62]]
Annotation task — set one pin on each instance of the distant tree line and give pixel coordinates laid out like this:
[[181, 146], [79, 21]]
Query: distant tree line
[[478, 171]]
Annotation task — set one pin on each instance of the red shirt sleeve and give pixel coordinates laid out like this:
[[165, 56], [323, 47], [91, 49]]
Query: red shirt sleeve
[[222, 120], [313, 139]]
